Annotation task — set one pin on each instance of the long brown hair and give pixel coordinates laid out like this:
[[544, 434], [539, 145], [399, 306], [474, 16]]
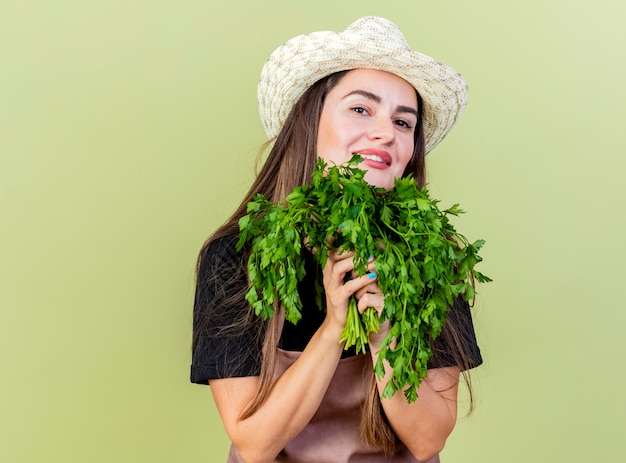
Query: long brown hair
[[290, 163]]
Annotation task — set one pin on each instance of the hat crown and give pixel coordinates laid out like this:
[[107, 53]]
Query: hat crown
[[378, 30]]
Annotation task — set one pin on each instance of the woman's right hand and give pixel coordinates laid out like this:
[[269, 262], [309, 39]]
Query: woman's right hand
[[339, 289], [296, 394]]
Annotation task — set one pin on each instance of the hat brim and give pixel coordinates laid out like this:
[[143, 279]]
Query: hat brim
[[303, 60]]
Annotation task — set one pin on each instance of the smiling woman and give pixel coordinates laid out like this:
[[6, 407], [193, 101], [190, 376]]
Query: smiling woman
[[372, 113], [290, 392]]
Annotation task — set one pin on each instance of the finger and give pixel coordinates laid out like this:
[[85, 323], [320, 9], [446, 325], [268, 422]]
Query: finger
[[340, 264], [371, 268], [339, 254], [371, 300], [372, 288], [361, 282], [343, 268], [337, 267]]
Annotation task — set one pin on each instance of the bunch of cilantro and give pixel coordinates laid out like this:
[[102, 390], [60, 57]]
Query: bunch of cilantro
[[421, 261]]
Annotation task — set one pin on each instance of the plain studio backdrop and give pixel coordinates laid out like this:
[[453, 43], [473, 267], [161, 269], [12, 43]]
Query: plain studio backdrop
[[128, 132]]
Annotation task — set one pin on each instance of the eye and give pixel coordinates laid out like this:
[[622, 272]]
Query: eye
[[359, 110], [404, 124]]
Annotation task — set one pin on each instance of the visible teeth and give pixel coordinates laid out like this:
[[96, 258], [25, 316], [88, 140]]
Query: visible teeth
[[372, 157]]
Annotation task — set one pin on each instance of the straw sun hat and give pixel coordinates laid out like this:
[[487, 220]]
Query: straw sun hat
[[370, 42]]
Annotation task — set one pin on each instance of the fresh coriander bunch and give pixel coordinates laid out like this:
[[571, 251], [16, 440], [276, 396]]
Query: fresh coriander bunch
[[421, 261]]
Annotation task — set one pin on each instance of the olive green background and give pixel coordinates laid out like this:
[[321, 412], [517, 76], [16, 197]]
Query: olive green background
[[128, 132]]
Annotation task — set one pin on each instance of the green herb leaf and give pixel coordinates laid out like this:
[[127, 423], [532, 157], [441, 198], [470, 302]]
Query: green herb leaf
[[421, 260]]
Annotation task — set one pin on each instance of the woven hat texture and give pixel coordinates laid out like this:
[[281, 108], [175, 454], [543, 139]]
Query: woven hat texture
[[370, 42]]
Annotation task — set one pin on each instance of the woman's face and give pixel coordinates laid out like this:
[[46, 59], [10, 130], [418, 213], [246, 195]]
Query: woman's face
[[374, 114]]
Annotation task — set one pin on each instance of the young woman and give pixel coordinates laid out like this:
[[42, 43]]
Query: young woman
[[292, 393]]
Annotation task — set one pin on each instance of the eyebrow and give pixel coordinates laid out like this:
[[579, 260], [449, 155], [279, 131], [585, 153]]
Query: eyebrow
[[377, 99]]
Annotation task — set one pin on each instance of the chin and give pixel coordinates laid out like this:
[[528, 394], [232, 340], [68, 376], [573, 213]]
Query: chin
[[379, 182]]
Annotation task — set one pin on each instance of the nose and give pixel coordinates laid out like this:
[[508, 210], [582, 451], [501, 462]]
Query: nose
[[382, 130]]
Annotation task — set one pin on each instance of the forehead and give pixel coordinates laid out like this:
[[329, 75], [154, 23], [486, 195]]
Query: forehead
[[380, 83]]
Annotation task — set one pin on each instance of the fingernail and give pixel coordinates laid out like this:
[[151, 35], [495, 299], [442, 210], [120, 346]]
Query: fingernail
[[371, 256], [372, 275]]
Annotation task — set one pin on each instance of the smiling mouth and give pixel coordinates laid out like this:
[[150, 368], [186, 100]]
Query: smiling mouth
[[373, 157]]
